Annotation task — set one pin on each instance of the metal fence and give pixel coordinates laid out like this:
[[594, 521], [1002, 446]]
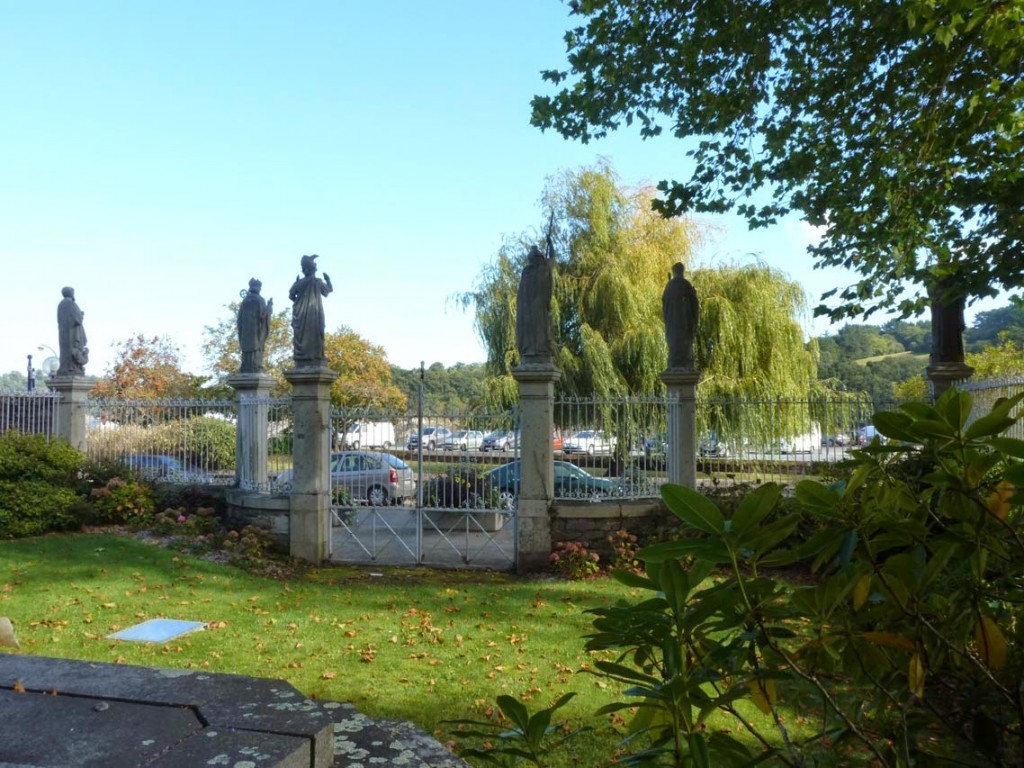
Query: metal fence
[[424, 487], [185, 441], [985, 394], [620, 444], [33, 413]]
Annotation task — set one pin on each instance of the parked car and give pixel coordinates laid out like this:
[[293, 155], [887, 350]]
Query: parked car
[[500, 440], [163, 468], [370, 434], [655, 446], [571, 482], [463, 440], [712, 446], [432, 438], [839, 439], [375, 478], [589, 441], [867, 433]]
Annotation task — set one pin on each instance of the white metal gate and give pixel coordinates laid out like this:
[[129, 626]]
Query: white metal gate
[[424, 495]]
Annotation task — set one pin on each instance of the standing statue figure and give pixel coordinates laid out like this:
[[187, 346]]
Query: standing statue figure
[[71, 336], [534, 335], [308, 323], [947, 329], [253, 327], [680, 310]]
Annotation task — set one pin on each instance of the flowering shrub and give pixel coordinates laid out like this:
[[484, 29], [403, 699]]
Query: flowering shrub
[[177, 521], [122, 502], [572, 560], [625, 546]]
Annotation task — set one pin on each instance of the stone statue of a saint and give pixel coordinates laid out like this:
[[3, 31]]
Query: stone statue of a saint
[[680, 310], [947, 329], [253, 327], [534, 333], [71, 341], [308, 322]]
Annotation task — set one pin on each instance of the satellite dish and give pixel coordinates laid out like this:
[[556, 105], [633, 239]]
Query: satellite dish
[[50, 365]]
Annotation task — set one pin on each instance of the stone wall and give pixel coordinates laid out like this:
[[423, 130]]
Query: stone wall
[[593, 522]]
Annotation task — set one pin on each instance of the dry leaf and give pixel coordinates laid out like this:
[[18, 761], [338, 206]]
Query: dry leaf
[[861, 591], [915, 676], [991, 643]]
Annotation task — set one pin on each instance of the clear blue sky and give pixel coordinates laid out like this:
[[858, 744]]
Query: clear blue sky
[[155, 156]]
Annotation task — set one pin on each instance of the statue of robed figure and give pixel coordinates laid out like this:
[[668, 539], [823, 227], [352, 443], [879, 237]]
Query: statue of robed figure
[[308, 323], [534, 331], [680, 310], [253, 327], [74, 353]]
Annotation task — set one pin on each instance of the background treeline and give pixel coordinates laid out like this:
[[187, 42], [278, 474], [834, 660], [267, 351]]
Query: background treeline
[[873, 358]]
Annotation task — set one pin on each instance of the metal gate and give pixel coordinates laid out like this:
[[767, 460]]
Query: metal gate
[[423, 490]]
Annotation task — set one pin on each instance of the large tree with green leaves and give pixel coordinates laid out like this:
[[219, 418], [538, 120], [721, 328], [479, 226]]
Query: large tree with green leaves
[[613, 257], [364, 375], [894, 126]]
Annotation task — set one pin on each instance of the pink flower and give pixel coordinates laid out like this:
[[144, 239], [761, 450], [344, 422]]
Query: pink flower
[[181, 518]]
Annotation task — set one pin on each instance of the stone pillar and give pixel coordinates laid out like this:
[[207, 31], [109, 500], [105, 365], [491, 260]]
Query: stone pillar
[[73, 409], [944, 375], [311, 456], [251, 430], [682, 425], [537, 476]]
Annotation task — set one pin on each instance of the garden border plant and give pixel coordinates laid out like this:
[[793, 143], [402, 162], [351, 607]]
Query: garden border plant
[[909, 635]]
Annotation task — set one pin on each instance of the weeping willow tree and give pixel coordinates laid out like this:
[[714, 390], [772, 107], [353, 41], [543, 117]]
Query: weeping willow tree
[[613, 255]]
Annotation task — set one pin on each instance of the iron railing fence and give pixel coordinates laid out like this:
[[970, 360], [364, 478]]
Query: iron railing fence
[[442, 460], [985, 393], [185, 441], [33, 413], [621, 443]]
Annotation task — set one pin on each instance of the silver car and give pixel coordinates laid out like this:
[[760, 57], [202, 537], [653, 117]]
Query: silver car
[[377, 479], [463, 440]]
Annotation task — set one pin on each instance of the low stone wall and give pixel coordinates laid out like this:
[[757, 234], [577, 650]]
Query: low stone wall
[[594, 522], [266, 511]]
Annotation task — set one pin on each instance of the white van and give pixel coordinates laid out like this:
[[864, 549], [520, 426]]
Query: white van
[[370, 434], [806, 443]]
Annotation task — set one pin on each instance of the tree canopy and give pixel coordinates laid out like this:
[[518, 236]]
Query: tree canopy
[[894, 126], [613, 258], [147, 368], [364, 375]]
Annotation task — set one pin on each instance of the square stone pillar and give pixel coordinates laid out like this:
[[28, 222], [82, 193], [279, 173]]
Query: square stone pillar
[[311, 462], [251, 430], [537, 475], [682, 425], [944, 375], [73, 408]]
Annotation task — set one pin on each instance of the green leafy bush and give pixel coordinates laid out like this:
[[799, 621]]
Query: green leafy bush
[[574, 560], [33, 457], [33, 507], [38, 482], [122, 502], [909, 634]]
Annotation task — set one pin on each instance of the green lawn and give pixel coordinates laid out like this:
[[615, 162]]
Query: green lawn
[[419, 645]]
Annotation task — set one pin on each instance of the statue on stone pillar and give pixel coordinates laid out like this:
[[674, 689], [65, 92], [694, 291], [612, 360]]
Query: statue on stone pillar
[[308, 323], [71, 341], [253, 327], [534, 333], [947, 327], [680, 310]]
